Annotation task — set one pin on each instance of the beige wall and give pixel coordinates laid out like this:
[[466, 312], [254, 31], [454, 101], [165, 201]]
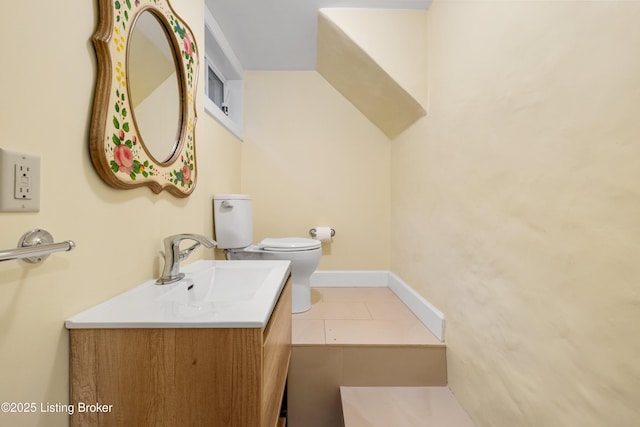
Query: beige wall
[[48, 73], [311, 159], [516, 208]]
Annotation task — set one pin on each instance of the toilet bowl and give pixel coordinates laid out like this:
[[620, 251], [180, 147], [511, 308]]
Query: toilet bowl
[[304, 255], [234, 234]]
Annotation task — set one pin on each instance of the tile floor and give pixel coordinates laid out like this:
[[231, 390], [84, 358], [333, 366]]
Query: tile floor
[[402, 406], [359, 316]]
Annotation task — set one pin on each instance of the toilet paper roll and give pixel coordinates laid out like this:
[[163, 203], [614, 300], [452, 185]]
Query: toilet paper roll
[[323, 234]]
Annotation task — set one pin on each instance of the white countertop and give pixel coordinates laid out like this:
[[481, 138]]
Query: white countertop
[[213, 294]]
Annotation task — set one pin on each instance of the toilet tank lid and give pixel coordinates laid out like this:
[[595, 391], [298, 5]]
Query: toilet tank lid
[[289, 244], [231, 197]]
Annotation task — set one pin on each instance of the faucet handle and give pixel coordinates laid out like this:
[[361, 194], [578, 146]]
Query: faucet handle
[[184, 254], [174, 241]]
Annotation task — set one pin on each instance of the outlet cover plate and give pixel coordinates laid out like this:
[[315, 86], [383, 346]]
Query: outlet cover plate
[[10, 201]]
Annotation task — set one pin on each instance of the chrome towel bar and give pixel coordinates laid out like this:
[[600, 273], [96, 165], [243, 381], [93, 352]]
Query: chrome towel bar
[[35, 246]]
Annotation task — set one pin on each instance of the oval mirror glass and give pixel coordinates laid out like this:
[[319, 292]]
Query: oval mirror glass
[[154, 87]]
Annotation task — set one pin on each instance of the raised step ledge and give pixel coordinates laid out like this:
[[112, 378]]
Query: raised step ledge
[[402, 406], [429, 315]]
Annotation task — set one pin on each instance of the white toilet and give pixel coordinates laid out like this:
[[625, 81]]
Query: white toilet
[[234, 233]]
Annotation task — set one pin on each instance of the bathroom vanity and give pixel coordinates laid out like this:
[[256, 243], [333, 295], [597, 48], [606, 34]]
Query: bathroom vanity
[[189, 370]]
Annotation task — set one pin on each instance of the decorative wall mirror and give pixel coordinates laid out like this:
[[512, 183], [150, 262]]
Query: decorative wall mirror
[[143, 121]]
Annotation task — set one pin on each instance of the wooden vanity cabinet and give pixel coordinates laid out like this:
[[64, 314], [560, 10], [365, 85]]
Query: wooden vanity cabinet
[[182, 377]]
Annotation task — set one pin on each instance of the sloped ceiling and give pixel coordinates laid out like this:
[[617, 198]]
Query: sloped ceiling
[[281, 34], [359, 78]]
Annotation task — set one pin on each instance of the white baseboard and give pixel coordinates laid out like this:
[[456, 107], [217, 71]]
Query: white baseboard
[[430, 316], [423, 309]]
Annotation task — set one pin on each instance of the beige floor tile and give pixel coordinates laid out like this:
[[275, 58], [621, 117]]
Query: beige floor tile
[[356, 294], [392, 309], [335, 310], [378, 332], [307, 331], [402, 407]]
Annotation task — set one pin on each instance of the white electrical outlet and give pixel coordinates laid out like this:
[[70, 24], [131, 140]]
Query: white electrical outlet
[[19, 182], [23, 179]]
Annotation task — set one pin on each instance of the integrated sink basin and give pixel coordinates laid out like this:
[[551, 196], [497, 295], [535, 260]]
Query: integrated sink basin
[[222, 283], [213, 294]]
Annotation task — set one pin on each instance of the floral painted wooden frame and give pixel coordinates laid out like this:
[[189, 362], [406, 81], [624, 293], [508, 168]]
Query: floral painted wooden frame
[[117, 149]]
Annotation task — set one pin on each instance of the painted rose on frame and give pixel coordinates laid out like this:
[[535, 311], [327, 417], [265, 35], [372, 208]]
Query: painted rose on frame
[[187, 44], [123, 156], [186, 174]]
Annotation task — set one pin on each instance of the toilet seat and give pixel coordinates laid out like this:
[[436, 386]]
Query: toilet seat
[[289, 244]]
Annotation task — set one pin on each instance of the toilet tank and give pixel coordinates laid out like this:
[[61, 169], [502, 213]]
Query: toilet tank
[[232, 220]]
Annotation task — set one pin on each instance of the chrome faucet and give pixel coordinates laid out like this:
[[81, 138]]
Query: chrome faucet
[[173, 255]]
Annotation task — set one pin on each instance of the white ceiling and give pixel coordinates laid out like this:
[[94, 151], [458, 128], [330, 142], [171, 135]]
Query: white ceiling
[[281, 34]]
